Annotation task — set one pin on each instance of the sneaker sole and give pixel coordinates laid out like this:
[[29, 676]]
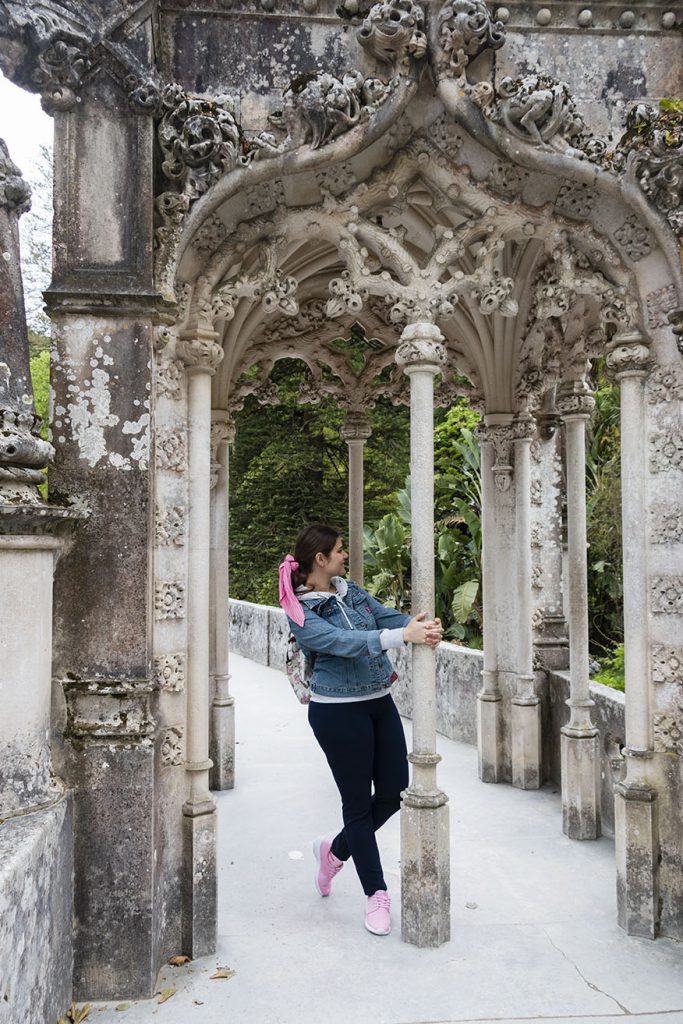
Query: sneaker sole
[[316, 854], [373, 932]]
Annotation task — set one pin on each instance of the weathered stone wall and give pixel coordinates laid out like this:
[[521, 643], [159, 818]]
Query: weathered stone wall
[[36, 943], [259, 632]]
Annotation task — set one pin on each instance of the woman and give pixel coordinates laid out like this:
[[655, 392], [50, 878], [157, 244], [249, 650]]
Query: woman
[[345, 633]]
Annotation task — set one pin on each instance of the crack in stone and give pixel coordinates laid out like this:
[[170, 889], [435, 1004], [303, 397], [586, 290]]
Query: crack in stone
[[583, 977]]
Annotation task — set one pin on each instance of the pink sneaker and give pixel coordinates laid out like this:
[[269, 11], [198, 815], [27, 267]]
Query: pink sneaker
[[326, 865], [378, 915]]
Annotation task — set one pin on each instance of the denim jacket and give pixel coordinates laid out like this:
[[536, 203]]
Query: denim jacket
[[349, 659]]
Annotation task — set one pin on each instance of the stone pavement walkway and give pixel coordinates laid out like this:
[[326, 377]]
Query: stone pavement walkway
[[533, 915]]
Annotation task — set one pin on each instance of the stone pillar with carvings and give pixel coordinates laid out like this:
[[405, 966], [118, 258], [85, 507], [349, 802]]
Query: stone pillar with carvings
[[222, 726], [489, 698], [635, 820], [199, 350], [551, 638], [580, 753], [425, 852], [36, 866], [356, 430], [525, 710]]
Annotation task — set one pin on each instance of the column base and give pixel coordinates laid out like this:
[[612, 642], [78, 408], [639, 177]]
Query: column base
[[525, 727], [489, 729], [581, 810], [199, 889], [222, 744], [425, 873], [637, 855]]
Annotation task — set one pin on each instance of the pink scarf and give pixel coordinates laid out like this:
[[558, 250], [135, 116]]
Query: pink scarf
[[288, 599]]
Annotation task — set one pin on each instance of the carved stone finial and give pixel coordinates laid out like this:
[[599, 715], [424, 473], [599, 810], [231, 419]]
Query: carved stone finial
[[628, 354], [421, 348], [466, 29], [394, 31]]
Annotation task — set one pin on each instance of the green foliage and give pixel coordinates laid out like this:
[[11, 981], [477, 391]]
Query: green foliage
[[457, 535], [612, 672], [40, 376], [603, 509], [289, 467]]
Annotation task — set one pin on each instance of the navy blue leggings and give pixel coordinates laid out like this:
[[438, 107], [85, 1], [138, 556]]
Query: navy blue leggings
[[363, 742]]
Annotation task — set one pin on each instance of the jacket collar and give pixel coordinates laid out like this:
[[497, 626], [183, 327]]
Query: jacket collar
[[313, 598]]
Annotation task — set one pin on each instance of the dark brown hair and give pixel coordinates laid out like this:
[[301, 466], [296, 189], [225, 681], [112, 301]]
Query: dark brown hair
[[313, 538]]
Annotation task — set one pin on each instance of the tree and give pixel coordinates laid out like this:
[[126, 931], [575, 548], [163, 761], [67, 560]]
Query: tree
[[36, 248]]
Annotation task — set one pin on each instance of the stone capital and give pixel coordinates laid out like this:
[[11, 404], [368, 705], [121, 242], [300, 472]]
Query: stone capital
[[502, 436], [421, 348], [200, 351], [356, 427], [574, 399], [629, 354]]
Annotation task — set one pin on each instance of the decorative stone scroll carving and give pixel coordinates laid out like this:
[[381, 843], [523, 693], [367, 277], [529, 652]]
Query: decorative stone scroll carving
[[503, 436], [168, 379], [49, 50], [209, 236], [667, 664], [172, 746], [169, 672], [319, 107], [634, 238], [537, 108], [466, 29], [576, 200], [667, 595], [665, 384], [666, 524], [659, 304], [169, 599], [651, 154], [393, 31], [507, 179], [444, 134], [337, 179], [221, 430], [169, 525], [200, 353], [666, 451], [199, 139], [266, 196], [171, 451], [15, 193], [668, 732], [421, 344]]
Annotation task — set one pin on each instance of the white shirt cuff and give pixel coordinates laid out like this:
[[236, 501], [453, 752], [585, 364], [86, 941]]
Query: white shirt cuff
[[391, 638]]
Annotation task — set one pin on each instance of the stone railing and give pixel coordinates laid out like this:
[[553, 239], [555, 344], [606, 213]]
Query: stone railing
[[260, 632]]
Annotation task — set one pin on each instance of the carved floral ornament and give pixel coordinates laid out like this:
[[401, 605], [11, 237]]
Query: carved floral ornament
[[502, 437]]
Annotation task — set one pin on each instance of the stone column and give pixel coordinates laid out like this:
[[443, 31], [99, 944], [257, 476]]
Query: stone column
[[355, 431], [222, 736], [425, 851], [201, 354], [36, 861], [579, 744], [635, 824], [489, 698], [525, 712]]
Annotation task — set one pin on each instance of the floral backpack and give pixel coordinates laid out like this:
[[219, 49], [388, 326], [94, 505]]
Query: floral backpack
[[299, 670]]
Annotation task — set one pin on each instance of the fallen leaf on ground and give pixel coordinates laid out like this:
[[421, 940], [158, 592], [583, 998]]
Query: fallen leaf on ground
[[223, 972], [198, 1002], [167, 993], [122, 1006], [178, 961]]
